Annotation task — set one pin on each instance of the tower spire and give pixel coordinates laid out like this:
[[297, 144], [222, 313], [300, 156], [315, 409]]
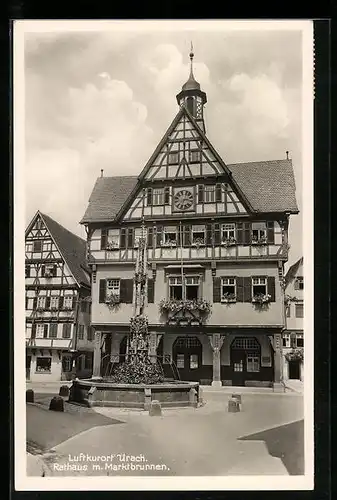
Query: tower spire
[[191, 59]]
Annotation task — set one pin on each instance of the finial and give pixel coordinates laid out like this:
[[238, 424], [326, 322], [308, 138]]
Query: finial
[[191, 58], [287, 153], [102, 172]]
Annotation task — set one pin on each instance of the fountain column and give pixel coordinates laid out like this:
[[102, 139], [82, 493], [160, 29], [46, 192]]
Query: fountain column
[[216, 342], [96, 373]]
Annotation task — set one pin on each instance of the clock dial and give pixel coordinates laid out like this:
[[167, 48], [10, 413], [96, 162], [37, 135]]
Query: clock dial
[[183, 200]]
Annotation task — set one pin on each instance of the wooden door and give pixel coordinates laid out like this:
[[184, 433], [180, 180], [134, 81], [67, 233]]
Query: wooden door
[[187, 356], [28, 363], [238, 364], [294, 369]]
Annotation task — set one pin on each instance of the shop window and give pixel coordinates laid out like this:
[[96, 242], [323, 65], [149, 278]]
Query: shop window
[[43, 365], [180, 360], [238, 367], [253, 363], [193, 361], [299, 310]]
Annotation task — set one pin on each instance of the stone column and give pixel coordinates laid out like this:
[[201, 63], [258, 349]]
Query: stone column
[[97, 356], [278, 375], [153, 344], [216, 342]]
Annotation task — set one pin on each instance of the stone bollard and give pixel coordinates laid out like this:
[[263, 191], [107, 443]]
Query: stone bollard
[[193, 398], [233, 406], [147, 398], [155, 409], [64, 390], [29, 396], [237, 397], [56, 404], [201, 396]]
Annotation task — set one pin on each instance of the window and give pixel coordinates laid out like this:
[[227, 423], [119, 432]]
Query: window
[[299, 283], [228, 233], [193, 361], [53, 331], [246, 343], [198, 235], [195, 156], [158, 196], [38, 224], [68, 302], [40, 330], [300, 341], [238, 367], [228, 289], [259, 286], [176, 288], [299, 310], [173, 158], [29, 247], [192, 287], [46, 246], [113, 287], [27, 271], [90, 334], [66, 331], [288, 310], [37, 246], [180, 360], [209, 194], [113, 239], [293, 341], [43, 365], [138, 235], [81, 332], [50, 270], [253, 363], [169, 236], [286, 340], [54, 302], [41, 302], [66, 363], [259, 232]]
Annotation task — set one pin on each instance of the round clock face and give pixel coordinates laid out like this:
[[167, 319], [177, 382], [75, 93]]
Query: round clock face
[[183, 200]]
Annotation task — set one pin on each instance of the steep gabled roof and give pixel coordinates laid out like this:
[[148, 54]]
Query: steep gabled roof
[[72, 247], [291, 273], [268, 185]]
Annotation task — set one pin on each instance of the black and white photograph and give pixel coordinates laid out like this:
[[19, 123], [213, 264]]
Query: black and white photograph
[[163, 260]]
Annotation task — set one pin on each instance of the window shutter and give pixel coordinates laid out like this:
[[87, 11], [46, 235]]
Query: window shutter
[[45, 331], [47, 302], [217, 234], [123, 238], [187, 236], [246, 233], [61, 302], [166, 195], [200, 193], [150, 291], [126, 291], [271, 287], [130, 237], [247, 289], [27, 271], [296, 285], [216, 289], [159, 235], [208, 234], [26, 307], [72, 303], [179, 231], [102, 291], [104, 238], [34, 302], [149, 196], [55, 270], [33, 331], [239, 233], [43, 270], [270, 233], [239, 289], [218, 192], [150, 237]]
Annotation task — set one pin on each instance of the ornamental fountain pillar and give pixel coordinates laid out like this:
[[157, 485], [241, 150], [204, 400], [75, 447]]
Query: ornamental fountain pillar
[[216, 341], [96, 372]]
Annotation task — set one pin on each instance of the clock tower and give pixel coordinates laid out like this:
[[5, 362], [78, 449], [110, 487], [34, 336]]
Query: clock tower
[[192, 97]]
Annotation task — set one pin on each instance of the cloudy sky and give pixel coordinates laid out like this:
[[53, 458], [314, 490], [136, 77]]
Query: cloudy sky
[[103, 99]]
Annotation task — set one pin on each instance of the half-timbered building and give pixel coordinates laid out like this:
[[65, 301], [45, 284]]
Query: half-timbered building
[[217, 241], [293, 335], [59, 340]]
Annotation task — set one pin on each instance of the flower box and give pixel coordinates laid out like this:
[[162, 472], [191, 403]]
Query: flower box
[[112, 300], [173, 305], [259, 241], [198, 242], [230, 242], [261, 298], [228, 297], [111, 246], [168, 244], [295, 355]]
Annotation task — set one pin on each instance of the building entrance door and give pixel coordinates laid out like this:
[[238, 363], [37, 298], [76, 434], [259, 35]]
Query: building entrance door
[[28, 363], [245, 359], [294, 369], [187, 356]]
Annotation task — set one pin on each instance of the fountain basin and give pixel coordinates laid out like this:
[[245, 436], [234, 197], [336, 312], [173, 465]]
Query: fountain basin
[[100, 392]]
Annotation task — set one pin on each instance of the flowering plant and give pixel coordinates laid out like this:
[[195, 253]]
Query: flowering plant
[[140, 278], [295, 354], [198, 242], [169, 244], [111, 245], [228, 242], [228, 297], [261, 298], [112, 300], [174, 305], [259, 241], [288, 299]]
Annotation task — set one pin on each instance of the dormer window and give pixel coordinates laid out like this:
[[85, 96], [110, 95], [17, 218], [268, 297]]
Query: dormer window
[[173, 158], [198, 235], [169, 236], [195, 156]]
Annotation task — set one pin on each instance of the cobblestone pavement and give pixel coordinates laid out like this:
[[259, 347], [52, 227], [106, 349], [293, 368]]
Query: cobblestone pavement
[[203, 441]]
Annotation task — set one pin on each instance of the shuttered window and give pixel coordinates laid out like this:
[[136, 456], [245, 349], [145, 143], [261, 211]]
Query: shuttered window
[[66, 330], [53, 330], [125, 289], [150, 291], [243, 233]]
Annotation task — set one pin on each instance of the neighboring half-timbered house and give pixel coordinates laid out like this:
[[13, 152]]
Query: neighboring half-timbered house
[[59, 341], [217, 241]]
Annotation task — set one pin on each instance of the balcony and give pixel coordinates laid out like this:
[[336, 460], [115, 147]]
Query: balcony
[[185, 312], [49, 343]]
